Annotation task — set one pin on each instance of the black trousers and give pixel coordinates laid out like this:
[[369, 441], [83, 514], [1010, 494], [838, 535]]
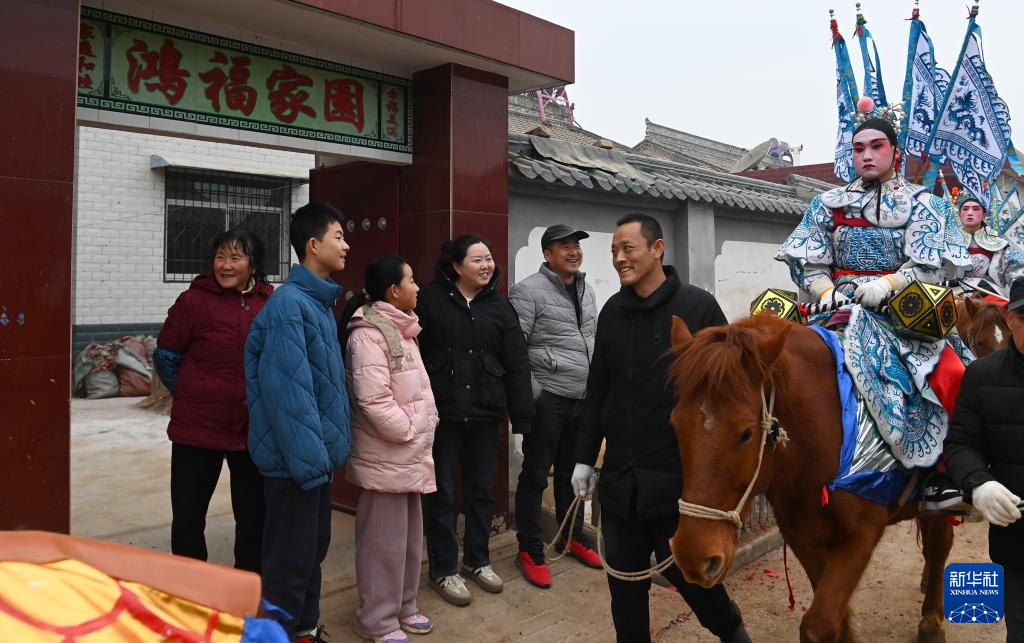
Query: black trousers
[[295, 541], [194, 475], [628, 544], [1013, 604], [552, 441], [475, 447]]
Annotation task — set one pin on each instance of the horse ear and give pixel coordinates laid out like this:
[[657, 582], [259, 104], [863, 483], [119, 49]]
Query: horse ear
[[970, 306], [680, 332], [771, 347]]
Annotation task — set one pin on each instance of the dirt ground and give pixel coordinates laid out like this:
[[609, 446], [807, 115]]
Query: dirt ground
[[886, 605]]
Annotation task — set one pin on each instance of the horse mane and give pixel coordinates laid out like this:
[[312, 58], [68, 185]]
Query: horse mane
[[725, 359]]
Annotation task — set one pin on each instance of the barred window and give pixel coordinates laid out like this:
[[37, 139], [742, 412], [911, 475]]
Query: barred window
[[199, 204]]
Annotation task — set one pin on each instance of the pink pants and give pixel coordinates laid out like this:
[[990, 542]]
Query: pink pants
[[389, 551]]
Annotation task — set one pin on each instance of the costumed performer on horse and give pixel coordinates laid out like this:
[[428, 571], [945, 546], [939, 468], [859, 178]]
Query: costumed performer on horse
[[855, 247], [995, 262]]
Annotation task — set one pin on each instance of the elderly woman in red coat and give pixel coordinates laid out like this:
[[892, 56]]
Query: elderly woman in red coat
[[199, 357]]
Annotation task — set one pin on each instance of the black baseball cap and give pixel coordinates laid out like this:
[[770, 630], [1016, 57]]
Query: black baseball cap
[[558, 232], [1016, 294]]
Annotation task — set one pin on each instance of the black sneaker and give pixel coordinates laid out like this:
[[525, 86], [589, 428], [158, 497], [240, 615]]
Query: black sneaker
[[939, 494], [738, 636]]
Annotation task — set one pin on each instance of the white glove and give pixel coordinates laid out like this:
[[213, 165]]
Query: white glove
[[826, 292], [873, 293], [996, 503], [584, 480], [835, 296]]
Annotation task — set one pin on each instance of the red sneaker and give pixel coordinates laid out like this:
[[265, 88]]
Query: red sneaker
[[535, 573], [584, 554], [317, 635]]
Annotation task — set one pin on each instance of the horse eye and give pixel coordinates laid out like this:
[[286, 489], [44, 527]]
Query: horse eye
[[746, 435]]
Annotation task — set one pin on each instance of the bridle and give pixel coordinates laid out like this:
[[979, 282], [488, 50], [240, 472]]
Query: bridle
[[771, 431]]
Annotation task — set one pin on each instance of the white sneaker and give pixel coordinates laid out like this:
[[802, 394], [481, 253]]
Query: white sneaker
[[452, 589], [485, 578]]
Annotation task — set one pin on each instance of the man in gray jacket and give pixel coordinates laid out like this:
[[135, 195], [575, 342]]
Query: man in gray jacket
[[558, 315]]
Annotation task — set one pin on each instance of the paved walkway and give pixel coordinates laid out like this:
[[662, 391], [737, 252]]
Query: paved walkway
[[120, 480]]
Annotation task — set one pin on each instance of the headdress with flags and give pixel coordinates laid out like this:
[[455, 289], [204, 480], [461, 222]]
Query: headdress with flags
[[846, 100], [923, 89], [1015, 233], [873, 86], [973, 127]]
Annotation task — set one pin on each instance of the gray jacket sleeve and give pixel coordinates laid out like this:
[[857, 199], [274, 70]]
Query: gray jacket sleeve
[[522, 300]]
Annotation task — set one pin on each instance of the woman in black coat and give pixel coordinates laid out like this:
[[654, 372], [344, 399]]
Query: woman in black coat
[[476, 357]]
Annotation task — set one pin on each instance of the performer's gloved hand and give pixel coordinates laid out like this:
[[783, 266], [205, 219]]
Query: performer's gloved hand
[[833, 296], [826, 292], [874, 292], [584, 480], [997, 504]]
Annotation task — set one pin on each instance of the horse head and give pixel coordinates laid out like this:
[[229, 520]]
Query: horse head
[[726, 379], [982, 325]]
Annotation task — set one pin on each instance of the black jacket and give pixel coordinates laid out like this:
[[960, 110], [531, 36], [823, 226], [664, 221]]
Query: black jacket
[[629, 400], [475, 354], [986, 440]]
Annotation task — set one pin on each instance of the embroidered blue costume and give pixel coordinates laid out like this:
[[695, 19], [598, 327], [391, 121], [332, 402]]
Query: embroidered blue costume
[[993, 259], [847, 239]]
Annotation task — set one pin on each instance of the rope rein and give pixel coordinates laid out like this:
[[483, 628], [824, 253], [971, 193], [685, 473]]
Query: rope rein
[[770, 429], [570, 519]]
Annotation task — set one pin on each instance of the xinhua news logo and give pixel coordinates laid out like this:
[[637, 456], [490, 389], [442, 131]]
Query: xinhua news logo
[[974, 593]]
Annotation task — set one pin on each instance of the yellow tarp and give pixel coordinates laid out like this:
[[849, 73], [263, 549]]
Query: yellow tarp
[[70, 601]]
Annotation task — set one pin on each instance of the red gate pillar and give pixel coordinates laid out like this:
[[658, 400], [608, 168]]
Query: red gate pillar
[[38, 85], [458, 181]]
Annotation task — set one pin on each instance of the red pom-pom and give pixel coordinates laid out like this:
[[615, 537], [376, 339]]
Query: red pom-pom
[[865, 104]]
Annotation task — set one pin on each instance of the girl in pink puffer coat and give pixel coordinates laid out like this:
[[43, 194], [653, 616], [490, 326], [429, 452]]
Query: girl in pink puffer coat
[[393, 422]]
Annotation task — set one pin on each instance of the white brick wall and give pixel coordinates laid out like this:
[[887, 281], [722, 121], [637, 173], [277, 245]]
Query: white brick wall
[[118, 275]]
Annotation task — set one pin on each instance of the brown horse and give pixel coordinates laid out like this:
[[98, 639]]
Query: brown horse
[[723, 377], [982, 325]]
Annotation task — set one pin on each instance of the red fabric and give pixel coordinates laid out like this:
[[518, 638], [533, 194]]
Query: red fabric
[[858, 273], [998, 301], [840, 219], [209, 325], [945, 379], [980, 251]]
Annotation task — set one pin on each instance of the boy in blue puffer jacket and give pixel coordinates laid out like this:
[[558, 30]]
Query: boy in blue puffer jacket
[[299, 417]]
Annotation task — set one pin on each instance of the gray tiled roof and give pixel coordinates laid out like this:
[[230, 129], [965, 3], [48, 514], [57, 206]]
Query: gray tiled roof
[[519, 123], [661, 179], [707, 152]]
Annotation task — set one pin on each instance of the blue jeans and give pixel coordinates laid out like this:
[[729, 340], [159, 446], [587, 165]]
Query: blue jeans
[[552, 441], [475, 447]]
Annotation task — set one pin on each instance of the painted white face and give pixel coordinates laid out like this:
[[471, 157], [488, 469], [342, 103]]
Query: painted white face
[[873, 154], [971, 215]]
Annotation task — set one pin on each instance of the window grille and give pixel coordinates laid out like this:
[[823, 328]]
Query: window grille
[[199, 204]]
